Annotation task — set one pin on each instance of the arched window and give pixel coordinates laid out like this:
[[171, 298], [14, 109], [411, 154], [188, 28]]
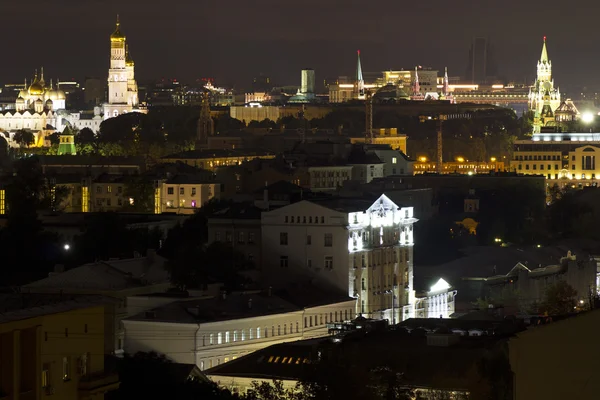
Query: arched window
[[219, 338], [258, 332], [251, 333], [266, 332], [278, 330], [284, 329]]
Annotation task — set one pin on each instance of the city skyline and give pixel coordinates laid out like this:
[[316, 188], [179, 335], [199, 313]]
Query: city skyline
[[167, 44]]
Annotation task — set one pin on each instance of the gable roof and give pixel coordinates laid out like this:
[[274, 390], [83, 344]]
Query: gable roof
[[107, 276]]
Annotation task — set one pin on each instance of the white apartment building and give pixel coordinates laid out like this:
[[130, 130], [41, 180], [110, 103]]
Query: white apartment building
[[361, 247], [211, 331]]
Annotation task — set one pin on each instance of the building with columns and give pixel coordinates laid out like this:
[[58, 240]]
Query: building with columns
[[359, 246], [122, 87]]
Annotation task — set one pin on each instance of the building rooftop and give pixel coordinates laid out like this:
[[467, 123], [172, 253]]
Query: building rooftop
[[19, 306], [238, 211], [346, 204], [188, 179], [234, 306], [104, 276]]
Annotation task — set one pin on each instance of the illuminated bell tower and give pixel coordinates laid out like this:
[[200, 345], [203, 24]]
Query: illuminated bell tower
[[122, 87], [360, 82]]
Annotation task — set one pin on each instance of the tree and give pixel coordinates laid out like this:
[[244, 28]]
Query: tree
[[560, 299], [86, 142], [24, 138], [139, 195]]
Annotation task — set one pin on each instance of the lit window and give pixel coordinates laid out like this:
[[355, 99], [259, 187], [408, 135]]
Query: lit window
[[394, 161]]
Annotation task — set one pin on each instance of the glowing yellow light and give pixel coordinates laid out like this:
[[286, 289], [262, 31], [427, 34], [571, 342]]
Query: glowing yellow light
[[587, 117], [493, 159], [423, 159], [460, 159]]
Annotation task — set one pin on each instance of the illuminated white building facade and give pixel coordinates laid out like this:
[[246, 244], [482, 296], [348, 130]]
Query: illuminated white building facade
[[122, 87], [439, 301], [362, 248], [544, 98]]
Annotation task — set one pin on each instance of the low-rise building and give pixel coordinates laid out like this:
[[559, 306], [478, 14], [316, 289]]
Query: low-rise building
[[115, 279], [54, 346], [212, 331], [328, 178]]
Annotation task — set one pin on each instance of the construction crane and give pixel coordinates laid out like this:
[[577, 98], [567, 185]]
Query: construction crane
[[440, 118]]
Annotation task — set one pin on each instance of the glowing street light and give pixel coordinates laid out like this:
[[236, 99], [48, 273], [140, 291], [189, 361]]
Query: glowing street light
[[587, 117], [493, 159], [423, 159], [460, 159], [67, 247]]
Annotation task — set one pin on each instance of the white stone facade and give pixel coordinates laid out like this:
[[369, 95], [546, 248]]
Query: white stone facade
[[208, 344], [364, 249]]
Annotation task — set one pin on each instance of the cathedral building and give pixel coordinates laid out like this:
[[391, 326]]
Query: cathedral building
[[544, 98], [122, 87]]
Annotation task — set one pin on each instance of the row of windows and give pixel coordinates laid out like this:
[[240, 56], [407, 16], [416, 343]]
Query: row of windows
[[327, 239], [240, 237], [284, 262], [538, 158], [258, 333], [109, 189], [303, 220], [330, 174], [82, 363], [171, 190], [535, 167], [381, 257]]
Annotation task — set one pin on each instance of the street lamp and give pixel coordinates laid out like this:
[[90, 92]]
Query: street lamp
[[493, 159], [587, 117], [67, 246]]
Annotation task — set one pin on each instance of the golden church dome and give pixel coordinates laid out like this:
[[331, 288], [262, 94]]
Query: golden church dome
[[117, 35], [36, 89]]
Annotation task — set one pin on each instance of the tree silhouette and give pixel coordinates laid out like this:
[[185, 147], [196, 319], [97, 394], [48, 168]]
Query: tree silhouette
[[24, 138]]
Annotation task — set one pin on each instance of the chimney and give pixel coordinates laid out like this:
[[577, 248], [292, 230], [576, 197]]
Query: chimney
[[250, 304]]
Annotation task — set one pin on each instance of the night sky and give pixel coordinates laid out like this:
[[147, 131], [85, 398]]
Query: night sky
[[234, 40]]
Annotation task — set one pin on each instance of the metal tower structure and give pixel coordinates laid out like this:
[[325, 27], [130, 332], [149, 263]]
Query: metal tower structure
[[360, 82], [439, 119], [205, 123]]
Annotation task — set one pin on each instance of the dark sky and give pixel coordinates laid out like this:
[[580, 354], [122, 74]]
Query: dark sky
[[234, 40]]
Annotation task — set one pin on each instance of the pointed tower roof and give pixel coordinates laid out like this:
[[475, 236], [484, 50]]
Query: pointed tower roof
[[359, 74], [128, 59], [117, 35], [544, 56], [42, 81]]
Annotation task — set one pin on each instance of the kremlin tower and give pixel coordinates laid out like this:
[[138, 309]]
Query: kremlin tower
[[544, 98]]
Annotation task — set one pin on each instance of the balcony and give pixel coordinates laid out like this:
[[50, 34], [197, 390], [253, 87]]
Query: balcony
[[98, 383]]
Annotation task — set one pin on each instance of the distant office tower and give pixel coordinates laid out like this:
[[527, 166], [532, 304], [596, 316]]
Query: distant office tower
[[481, 68], [308, 81]]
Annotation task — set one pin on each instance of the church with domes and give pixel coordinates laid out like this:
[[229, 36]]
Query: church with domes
[[39, 96]]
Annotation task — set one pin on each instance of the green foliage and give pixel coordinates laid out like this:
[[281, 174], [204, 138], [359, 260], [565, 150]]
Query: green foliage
[[139, 195], [560, 299], [24, 138]]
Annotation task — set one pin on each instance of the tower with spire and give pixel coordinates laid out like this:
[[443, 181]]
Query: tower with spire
[[416, 88], [543, 96], [205, 123], [360, 82], [122, 87]]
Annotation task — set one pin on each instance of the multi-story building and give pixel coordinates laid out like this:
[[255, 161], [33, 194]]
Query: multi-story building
[[466, 167], [184, 194], [116, 280], [53, 347], [328, 177], [209, 332], [563, 158], [395, 161], [384, 136], [361, 247], [238, 225], [366, 166]]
